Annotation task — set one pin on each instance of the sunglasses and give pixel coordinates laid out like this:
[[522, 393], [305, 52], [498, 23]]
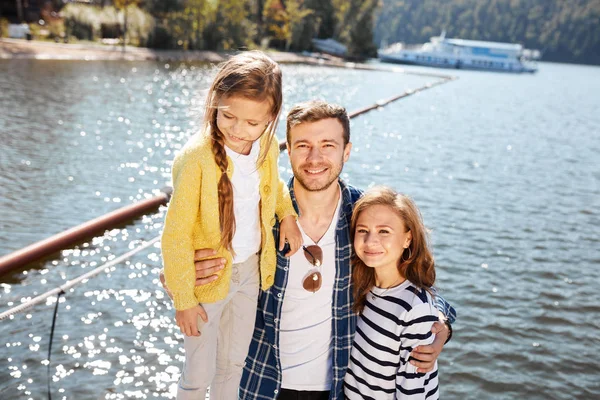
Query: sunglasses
[[313, 279]]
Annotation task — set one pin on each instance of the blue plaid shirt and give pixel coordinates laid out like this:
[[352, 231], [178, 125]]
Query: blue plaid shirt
[[262, 371]]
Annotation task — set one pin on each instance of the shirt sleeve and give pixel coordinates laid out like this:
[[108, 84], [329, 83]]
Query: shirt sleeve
[[283, 202], [410, 385], [177, 244], [444, 307]]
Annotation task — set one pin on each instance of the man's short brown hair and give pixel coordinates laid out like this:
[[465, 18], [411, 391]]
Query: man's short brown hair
[[317, 110]]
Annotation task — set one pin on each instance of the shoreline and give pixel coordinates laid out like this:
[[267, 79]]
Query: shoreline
[[38, 50]]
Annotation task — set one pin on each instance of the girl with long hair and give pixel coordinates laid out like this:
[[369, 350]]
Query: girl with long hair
[[393, 274], [226, 194]]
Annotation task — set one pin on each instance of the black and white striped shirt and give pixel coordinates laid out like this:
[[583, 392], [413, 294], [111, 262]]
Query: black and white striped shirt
[[393, 322]]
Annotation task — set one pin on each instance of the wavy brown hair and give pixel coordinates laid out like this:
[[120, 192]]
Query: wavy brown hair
[[418, 268], [313, 111], [254, 76]]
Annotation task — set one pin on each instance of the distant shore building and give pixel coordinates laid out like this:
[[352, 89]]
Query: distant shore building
[[330, 46]]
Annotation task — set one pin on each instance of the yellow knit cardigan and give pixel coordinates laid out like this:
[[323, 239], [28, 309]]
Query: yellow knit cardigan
[[192, 220]]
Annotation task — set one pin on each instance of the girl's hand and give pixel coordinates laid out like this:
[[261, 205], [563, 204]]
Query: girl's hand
[[187, 320], [289, 232], [164, 284], [424, 356]]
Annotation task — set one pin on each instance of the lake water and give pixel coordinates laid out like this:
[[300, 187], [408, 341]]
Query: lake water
[[501, 165]]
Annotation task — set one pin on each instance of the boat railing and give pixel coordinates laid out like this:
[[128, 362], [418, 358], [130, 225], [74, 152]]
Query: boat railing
[[399, 46]]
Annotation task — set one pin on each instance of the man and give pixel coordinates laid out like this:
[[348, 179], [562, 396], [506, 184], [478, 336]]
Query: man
[[304, 322]]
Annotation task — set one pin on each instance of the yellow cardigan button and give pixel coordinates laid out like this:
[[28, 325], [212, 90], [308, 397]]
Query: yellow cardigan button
[[267, 189]]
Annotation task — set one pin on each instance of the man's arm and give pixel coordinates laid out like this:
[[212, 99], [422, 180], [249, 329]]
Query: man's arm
[[445, 308], [205, 269], [424, 357]]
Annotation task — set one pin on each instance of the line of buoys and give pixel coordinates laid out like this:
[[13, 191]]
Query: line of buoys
[[375, 67], [88, 229], [382, 103]]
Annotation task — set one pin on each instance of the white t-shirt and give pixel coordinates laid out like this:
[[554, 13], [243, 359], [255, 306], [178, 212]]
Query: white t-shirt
[[246, 198], [305, 328]]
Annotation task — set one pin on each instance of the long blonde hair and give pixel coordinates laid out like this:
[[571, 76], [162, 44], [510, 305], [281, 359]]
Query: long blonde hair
[[254, 76], [416, 263]]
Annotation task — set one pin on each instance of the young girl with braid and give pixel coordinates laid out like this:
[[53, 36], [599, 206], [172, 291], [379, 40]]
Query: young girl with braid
[[226, 195], [393, 274]]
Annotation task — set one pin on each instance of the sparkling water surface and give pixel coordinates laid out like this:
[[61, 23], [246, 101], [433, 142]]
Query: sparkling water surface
[[501, 165]]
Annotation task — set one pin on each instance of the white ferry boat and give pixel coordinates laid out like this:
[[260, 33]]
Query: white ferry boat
[[465, 54]]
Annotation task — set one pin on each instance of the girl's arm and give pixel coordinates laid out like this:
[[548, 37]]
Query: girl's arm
[[177, 247], [283, 201], [284, 209], [424, 357], [409, 383]]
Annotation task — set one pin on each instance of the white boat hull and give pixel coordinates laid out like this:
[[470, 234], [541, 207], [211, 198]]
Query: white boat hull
[[439, 61], [462, 54]]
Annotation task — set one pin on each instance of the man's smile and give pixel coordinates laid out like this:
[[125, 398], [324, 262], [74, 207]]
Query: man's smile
[[315, 171]]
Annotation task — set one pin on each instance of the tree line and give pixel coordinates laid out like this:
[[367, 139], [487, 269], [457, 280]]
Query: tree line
[[228, 24], [563, 30], [283, 24]]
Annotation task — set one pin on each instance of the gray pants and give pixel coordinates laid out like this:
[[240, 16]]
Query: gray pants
[[216, 357]]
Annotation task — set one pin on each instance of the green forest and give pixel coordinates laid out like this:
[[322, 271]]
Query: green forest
[[563, 30], [208, 24]]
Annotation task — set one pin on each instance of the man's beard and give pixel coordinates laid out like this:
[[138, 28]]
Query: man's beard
[[334, 171]]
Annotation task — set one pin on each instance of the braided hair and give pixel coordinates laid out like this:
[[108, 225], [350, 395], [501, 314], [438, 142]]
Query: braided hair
[[254, 76]]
